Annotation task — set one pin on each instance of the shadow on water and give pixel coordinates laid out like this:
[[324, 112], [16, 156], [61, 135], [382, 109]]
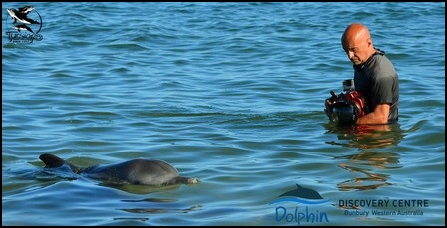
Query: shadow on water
[[369, 167]]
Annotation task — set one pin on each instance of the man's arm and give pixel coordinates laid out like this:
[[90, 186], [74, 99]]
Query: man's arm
[[378, 116]]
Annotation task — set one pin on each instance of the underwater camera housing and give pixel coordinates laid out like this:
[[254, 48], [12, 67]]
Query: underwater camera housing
[[346, 107]]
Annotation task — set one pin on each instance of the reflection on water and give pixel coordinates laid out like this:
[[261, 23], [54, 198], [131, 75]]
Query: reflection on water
[[141, 219], [161, 209], [366, 136], [369, 167], [140, 189], [156, 206]]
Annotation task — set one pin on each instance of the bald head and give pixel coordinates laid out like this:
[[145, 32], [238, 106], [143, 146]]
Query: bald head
[[355, 32], [357, 43]]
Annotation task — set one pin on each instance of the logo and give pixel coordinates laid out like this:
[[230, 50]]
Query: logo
[[304, 206], [23, 25]]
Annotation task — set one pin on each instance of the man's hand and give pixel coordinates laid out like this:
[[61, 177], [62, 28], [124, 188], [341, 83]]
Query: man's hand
[[329, 110]]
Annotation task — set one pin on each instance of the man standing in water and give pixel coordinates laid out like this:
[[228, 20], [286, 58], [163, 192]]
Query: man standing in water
[[374, 76]]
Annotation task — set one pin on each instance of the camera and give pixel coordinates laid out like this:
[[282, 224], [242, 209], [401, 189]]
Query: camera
[[348, 85], [347, 107]]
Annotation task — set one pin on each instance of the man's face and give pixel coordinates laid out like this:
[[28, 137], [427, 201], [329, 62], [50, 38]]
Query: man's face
[[356, 50]]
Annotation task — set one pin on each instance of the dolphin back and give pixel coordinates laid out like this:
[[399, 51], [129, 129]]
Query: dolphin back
[[139, 171]]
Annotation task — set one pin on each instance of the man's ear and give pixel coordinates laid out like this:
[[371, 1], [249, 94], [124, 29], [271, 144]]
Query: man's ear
[[369, 41]]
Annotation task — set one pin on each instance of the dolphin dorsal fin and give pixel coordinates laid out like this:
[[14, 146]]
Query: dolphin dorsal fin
[[53, 161]]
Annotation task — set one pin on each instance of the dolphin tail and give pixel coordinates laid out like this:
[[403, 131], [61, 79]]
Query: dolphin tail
[[53, 161]]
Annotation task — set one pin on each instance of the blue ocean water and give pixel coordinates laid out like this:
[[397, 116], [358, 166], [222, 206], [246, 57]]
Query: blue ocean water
[[230, 93]]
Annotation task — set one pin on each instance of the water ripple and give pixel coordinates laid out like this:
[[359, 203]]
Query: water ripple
[[230, 93]]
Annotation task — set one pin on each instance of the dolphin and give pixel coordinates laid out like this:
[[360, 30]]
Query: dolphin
[[136, 171], [26, 9], [22, 15], [23, 27], [303, 193]]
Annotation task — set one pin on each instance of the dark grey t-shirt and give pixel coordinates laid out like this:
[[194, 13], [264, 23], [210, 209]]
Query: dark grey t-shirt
[[378, 81]]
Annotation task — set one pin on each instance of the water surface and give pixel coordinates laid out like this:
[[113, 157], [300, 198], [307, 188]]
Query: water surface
[[230, 93]]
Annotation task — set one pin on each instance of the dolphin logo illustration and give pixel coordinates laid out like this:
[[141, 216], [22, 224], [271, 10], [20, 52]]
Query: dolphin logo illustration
[[23, 27], [22, 15], [301, 195], [26, 9], [301, 192]]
